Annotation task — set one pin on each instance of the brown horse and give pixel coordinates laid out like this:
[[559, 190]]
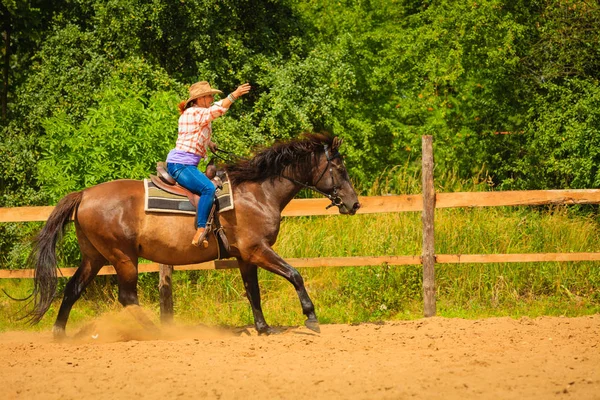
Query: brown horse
[[113, 228]]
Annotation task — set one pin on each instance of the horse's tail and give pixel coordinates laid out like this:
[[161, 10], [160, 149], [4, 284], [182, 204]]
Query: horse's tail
[[43, 255]]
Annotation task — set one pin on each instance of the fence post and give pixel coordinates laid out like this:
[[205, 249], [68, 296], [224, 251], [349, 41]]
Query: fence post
[[165, 290], [428, 257]]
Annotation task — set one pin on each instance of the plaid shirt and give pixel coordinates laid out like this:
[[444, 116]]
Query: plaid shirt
[[195, 128]]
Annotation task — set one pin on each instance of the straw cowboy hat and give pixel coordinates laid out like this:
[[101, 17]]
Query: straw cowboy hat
[[200, 89]]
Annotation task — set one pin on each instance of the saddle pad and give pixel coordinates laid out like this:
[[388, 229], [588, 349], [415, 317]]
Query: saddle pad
[[225, 194], [157, 200]]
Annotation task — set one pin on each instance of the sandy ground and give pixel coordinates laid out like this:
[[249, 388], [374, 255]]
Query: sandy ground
[[438, 358]]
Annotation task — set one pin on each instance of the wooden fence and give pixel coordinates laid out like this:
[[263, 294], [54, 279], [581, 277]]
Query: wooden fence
[[426, 203]]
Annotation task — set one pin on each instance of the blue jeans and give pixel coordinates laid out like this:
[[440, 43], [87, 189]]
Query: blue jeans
[[195, 181]]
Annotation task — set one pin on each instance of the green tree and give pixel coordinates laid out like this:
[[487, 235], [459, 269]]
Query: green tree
[[132, 125]]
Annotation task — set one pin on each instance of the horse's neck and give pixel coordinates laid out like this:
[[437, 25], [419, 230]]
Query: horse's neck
[[281, 191]]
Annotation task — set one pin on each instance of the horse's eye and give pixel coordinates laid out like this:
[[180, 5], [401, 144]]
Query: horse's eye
[[340, 167]]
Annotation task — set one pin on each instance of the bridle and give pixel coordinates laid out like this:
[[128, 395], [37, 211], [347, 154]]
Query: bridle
[[336, 200]]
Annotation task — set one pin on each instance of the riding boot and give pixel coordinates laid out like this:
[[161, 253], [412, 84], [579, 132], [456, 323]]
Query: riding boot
[[200, 238]]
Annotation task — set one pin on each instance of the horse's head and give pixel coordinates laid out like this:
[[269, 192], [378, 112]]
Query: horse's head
[[313, 162], [331, 178]]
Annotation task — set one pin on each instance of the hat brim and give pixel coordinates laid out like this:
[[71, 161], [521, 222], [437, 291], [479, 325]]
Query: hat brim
[[207, 93]]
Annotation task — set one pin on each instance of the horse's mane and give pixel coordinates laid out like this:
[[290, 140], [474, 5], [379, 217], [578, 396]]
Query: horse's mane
[[269, 163]]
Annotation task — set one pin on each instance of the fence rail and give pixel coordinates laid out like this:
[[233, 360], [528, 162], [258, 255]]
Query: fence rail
[[342, 262], [385, 204]]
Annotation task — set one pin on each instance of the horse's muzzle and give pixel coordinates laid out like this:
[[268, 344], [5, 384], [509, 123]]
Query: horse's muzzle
[[344, 209]]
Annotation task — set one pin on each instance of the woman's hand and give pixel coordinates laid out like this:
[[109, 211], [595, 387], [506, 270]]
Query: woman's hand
[[241, 90], [236, 94], [213, 147]]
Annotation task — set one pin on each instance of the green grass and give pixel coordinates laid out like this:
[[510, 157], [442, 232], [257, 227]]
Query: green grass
[[357, 294]]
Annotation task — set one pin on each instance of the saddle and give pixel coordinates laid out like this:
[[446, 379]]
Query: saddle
[[164, 181]]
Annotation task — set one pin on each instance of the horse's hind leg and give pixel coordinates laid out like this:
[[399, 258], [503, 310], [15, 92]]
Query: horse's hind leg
[[126, 265], [127, 277], [250, 278], [86, 272]]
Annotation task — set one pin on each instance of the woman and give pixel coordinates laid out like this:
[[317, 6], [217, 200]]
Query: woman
[[195, 132]]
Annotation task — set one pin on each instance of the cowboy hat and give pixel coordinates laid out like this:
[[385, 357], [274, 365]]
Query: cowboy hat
[[201, 89]]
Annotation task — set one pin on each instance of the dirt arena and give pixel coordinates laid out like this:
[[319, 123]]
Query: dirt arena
[[438, 358]]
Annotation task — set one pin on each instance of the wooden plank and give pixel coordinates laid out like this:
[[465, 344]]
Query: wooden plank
[[229, 264], [517, 198], [427, 218], [16, 273], [345, 262], [403, 203], [25, 214], [313, 262], [385, 204], [515, 258], [296, 208], [353, 261], [369, 205]]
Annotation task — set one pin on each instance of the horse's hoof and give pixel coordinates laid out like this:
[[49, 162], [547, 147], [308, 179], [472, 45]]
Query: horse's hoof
[[313, 325], [58, 333], [267, 331]]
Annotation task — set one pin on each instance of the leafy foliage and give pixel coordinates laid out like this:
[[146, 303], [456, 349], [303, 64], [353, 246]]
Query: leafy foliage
[[122, 136], [563, 142]]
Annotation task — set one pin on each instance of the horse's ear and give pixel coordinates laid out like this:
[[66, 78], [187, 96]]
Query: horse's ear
[[337, 142]]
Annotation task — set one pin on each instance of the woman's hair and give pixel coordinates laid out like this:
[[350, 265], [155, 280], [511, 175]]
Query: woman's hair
[[181, 106]]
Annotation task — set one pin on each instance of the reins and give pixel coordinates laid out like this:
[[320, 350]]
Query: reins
[[234, 157]]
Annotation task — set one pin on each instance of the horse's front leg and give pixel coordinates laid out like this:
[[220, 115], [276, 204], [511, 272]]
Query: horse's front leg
[[266, 258]]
